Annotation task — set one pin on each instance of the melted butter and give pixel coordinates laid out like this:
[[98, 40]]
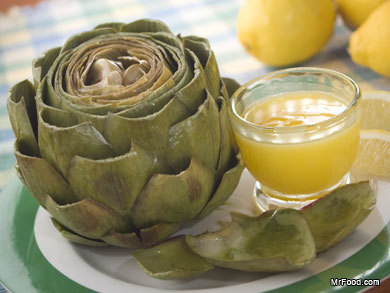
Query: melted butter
[[294, 109]]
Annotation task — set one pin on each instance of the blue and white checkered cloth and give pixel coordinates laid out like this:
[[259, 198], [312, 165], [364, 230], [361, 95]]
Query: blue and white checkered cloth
[[26, 32]]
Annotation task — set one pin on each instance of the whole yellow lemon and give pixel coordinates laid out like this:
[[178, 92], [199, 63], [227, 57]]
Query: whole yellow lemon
[[369, 45], [355, 12], [285, 32]]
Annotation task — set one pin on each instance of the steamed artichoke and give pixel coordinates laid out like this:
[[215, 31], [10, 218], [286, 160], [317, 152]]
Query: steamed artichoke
[[125, 134]]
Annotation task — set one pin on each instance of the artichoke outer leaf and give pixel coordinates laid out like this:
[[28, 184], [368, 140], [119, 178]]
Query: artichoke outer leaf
[[41, 179], [114, 182], [59, 145], [171, 259], [113, 25], [202, 49], [174, 198], [74, 237], [198, 137], [125, 240], [277, 240], [42, 64], [82, 38], [150, 132], [230, 86], [335, 215], [88, 218], [158, 232], [193, 94], [227, 148], [21, 109], [225, 188], [146, 26]]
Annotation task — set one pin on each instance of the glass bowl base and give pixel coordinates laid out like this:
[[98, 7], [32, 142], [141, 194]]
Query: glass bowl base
[[265, 200]]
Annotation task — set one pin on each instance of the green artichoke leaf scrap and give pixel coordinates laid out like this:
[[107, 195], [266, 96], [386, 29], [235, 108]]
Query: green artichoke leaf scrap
[[157, 233], [334, 216], [172, 259], [277, 240]]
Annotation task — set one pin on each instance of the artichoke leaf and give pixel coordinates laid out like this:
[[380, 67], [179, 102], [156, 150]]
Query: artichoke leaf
[[41, 179], [113, 25], [73, 237], [201, 48], [198, 137], [158, 232], [21, 109], [88, 218], [335, 215], [171, 259], [82, 38], [59, 145], [227, 150], [150, 132], [230, 86], [193, 94], [225, 188], [145, 26], [42, 64], [125, 240], [174, 198], [115, 182], [277, 240]]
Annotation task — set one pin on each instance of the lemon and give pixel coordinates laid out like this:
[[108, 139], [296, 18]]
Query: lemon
[[369, 45], [376, 110], [285, 32], [373, 155], [355, 12]]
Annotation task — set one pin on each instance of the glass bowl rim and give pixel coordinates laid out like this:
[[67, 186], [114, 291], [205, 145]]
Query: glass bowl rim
[[293, 129]]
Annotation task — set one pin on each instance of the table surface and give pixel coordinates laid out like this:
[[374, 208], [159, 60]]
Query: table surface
[[27, 31]]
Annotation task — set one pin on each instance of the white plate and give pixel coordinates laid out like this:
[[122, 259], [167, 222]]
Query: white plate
[[110, 269]]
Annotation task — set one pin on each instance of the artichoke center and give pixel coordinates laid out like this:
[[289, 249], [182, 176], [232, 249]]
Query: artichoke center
[[104, 72]]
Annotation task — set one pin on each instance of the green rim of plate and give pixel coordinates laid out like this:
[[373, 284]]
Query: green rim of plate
[[24, 269]]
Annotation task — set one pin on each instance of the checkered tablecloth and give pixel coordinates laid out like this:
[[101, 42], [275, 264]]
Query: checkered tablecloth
[[26, 32]]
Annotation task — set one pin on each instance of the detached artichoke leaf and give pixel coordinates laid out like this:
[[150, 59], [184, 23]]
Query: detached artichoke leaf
[[158, 233], [59, 145], [88, 218], [225, 188], [184, 137], [42, 179], [334, 216], [42, 64], [73, 237], [174, 198], [115, 182], [21, 109], [171, 259], [150, 132], [277, 240]]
